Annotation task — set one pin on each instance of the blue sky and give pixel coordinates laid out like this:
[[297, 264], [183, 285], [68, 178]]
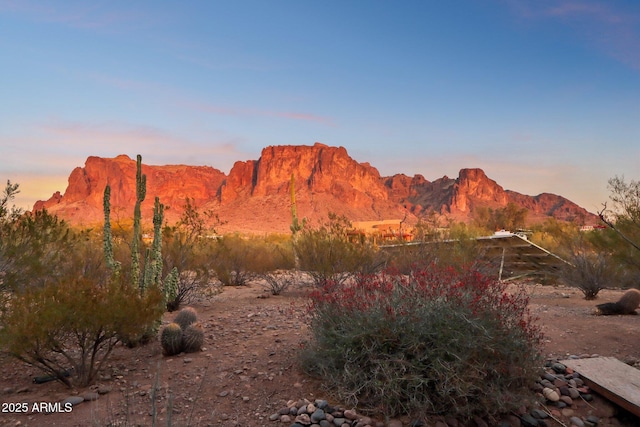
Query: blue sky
[[544, 95]]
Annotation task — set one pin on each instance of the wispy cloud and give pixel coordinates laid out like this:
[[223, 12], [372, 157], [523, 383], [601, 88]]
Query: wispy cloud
[[175, 97], [232, 111], [601, 24]]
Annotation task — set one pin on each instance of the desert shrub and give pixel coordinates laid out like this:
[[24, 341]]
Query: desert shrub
[[33, 250], [233, 258], [187, 247], [74, 325], [433, 342], [589, 267], [278, 281], [590, 272], [328, 255], [239, 260]]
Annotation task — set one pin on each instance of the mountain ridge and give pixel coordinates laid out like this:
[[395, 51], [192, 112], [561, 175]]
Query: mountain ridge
[[255, 195]]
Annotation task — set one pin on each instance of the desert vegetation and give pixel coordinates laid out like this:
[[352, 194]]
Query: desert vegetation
[[420, 330], [435, 341]]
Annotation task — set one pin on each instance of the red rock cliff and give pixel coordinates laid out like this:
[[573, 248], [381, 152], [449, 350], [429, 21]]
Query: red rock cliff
[[255, 196]]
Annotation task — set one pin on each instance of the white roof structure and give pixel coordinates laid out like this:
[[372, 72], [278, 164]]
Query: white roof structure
[[514, 255]]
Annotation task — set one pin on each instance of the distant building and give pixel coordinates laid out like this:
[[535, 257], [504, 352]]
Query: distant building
[[381, 231]]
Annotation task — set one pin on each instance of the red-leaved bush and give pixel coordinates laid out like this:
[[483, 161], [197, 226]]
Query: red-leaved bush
[[435, 341]]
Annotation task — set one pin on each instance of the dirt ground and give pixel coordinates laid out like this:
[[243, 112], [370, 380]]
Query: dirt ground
[[247, 369]]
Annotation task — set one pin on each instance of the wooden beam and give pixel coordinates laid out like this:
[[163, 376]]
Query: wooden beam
[[613, 379]]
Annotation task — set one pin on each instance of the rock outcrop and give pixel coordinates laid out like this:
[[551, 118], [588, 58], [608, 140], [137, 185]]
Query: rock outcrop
[[255, 196]]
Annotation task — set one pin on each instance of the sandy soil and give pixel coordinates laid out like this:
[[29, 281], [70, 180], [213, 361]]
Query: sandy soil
[[247, 369]]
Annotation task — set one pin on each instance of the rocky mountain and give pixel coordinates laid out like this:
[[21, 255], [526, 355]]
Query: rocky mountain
[[255, 196]]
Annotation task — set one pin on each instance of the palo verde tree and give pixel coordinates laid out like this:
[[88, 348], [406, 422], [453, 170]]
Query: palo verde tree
[[33, 246], [622, 238], [72, 313]]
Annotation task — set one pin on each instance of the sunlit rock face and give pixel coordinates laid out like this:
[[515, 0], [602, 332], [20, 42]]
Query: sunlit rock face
[[256, 197]]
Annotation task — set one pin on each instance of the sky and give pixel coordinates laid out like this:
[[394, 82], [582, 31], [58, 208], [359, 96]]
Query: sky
[[543, 95]]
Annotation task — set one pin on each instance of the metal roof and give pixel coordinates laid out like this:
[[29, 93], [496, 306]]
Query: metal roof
[[512, 253]]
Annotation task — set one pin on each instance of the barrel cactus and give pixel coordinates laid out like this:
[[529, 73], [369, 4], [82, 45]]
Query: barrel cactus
[[171, 339], [192, 338], [186, 317]]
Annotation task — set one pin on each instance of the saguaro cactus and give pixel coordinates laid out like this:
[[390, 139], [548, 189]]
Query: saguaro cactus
[[112, 264], [141, 191]]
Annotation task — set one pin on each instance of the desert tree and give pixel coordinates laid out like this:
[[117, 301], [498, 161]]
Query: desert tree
[[187, 247]]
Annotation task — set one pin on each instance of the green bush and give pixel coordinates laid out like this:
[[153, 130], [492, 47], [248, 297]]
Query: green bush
[[437, 341], [329, 255], [239, 260], [74, 325]]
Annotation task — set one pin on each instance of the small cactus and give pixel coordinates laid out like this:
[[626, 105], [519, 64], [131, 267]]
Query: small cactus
[[186, 317], [193, 338], [171, 339]]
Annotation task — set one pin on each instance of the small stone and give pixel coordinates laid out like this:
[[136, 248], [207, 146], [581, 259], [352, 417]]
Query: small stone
[[339, 421], [573, 393], [567, 400], [317, 416], [303, 419], [90, 396], [73, 400], [567, 412], [559, 368], [321, 404], [593, 420], [311, 408], [576, 421], [285, 419], [587, 397], [104, 389], [539, 414], [559, 383], [550, 395], [394, 423], [528, 421], [351, 414]]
